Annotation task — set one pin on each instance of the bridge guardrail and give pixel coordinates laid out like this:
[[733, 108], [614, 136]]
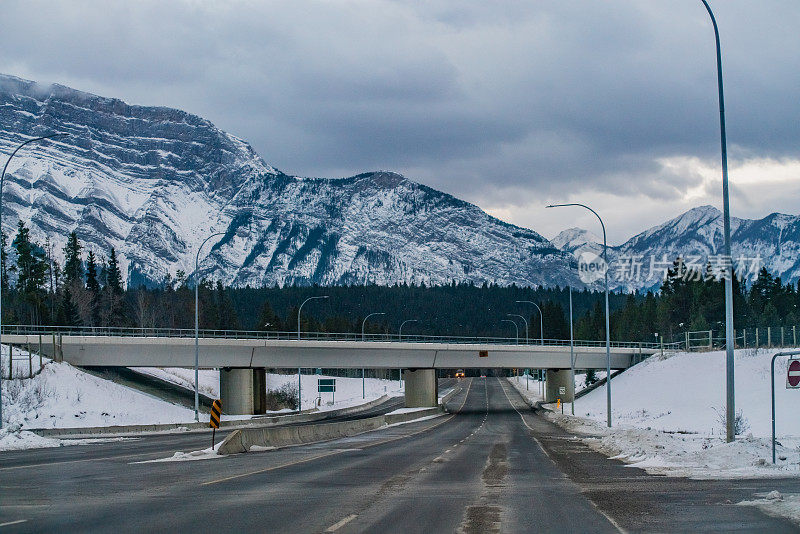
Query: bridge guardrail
[[33, 330]]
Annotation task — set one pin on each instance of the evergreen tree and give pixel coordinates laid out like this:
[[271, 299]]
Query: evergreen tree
[[268, 320], [3, 262], [113, 311], [31, 269], [113, 274], [67, 314], [93, 288], [73, 272]]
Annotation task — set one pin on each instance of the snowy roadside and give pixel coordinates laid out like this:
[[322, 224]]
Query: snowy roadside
[[667, 421], [667, 418]]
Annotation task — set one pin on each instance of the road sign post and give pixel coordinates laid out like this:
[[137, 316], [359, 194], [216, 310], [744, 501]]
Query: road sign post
[[327, 385], [213, 422], [792, 382]]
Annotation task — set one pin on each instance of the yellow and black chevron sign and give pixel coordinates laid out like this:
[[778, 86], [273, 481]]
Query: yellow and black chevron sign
[[216, 409]]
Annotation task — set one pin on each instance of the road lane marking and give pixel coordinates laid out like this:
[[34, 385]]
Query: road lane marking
[[336, 526], [337, 451], [594, 504], [273, 468], [17, 522]]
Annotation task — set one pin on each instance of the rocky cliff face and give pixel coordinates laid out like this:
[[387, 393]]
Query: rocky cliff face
[[155, 182]]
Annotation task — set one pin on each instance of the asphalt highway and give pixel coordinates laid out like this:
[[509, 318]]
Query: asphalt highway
[[492, 465]]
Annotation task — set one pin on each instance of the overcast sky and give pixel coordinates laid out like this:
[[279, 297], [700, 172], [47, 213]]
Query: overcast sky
[[509, 105]]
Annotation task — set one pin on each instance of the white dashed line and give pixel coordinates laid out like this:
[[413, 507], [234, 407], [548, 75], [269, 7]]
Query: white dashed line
[[336, 526]]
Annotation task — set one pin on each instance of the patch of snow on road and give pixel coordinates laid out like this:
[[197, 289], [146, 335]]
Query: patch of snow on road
[[777, 504]]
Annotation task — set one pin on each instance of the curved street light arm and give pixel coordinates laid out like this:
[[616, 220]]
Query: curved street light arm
[[541, 318], [524, 320], [515, 326], [364, 322], [400, 333]]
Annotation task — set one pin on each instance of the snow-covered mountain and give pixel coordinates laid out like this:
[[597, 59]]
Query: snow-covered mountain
[[573, 239], [155, 182], [772, 242]]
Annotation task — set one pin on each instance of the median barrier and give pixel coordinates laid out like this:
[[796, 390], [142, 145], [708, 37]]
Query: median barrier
[[246, 439], [256, 421]]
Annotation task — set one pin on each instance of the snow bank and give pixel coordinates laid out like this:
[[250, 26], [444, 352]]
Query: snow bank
[[668, 417], [686, 392], [62, 396]]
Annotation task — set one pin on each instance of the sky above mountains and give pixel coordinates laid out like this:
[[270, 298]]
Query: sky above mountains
[[510, 106]]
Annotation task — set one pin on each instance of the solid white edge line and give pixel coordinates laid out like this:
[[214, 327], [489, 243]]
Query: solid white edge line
[[17, 522], [608, 517], [336, 526]]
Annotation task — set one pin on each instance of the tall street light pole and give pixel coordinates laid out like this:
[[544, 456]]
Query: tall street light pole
[[299, 382], [2, 181], [524, 321], [730, 412], [571, 350], [363, 379], [541, 319], [197, 327], [608, 324], [515, 326]]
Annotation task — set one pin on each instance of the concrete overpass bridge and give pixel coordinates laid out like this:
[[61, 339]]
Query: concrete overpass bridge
[[243, 357]]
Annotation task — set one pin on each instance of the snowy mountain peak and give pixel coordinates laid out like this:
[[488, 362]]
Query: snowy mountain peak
[[574, 239], [154, 182]]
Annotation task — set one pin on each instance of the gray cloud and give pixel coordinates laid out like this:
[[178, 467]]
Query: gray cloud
[[492, 102]]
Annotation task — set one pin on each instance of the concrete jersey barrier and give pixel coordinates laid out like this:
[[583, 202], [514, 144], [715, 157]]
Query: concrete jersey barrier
[[244, 439], [257, 421]]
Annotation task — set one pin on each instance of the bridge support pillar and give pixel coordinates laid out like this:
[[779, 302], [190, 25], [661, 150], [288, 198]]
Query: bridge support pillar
[[243, 391], [421, 388], [559, 386]]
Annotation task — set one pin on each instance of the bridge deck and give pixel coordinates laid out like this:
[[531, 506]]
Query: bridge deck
[[130, 351]]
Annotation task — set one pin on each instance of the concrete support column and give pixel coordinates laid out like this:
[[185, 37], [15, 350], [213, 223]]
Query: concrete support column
[[260, 391], [557, 379], [421, 388], [236, 391]]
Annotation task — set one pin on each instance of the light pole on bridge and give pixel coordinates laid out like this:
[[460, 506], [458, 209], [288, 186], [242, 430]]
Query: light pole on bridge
[[299, 382], [363, 379], [515, 326], [524, 321], [541, 319]]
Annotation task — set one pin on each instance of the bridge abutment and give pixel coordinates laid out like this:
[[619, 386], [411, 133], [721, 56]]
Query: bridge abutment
[[422, 389], [556, 380], [243, 391]]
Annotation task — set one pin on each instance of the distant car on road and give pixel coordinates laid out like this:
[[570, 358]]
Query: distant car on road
[[460, 373]]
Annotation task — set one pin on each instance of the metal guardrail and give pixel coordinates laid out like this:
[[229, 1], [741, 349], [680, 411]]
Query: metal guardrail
[[326, 336]]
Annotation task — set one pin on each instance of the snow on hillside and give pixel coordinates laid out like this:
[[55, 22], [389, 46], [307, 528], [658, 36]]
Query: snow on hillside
[[668, 417], [64, 396]]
